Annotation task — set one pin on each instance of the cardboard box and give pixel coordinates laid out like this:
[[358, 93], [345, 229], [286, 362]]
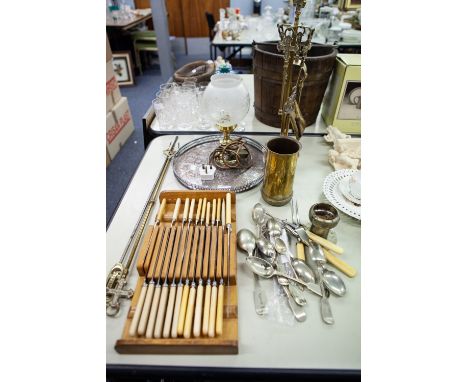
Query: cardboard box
[[342, 102], [119, 126], [108, 50], [113, 94], [108, 160]]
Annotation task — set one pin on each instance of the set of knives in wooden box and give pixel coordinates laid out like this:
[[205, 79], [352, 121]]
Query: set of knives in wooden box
[[185, 300]]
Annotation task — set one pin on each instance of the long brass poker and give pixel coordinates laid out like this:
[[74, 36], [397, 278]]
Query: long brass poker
[[117, 277]]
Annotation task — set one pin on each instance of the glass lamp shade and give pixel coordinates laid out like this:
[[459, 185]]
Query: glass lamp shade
[[226, 100]]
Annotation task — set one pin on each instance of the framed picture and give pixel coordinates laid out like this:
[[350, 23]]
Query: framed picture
[[350, 105], [123, 68]]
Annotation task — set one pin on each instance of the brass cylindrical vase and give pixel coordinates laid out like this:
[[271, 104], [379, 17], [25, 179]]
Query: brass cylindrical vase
[[280, 167]]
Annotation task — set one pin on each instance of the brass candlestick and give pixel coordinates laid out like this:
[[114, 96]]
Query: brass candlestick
[[295, 42]]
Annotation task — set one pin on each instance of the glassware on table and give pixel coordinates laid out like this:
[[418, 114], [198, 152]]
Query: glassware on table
[[179, 106], [186, 109], [162, 115], [167, 86], [241, 126], [189, 87], [203, 121], [189, 80]]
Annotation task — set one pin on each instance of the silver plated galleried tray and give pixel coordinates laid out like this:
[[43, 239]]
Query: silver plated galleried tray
[[190, 157]]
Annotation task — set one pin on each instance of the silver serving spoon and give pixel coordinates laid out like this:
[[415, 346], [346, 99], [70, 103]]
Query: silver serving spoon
[[325, 308], [246, 242], [259, 212], [258, 216], [332, 281], [274, 228], [265, 269], [266, 248], [303, 271]]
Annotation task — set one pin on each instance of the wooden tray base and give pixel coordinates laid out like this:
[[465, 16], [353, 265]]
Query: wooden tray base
[[227, 343]]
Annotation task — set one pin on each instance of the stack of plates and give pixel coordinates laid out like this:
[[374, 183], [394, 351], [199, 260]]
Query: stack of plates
[[337, 190]]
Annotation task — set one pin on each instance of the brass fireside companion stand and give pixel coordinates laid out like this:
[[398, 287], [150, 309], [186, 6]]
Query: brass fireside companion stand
[[282, 153], [295, 42]]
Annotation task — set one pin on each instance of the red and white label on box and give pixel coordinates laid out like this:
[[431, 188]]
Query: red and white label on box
[[119, 126], [113, 94]]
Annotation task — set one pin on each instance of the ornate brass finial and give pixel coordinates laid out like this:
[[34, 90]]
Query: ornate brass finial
[[295, 42]]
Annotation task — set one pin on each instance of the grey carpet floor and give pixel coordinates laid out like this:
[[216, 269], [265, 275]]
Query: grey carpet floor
[[121, 169]]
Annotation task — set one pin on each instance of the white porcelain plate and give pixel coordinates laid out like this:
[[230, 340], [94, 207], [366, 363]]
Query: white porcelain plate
[[343, 186], [331, 189]]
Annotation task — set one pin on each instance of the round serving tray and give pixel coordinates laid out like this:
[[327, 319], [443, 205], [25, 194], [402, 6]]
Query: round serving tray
[[190, 157]]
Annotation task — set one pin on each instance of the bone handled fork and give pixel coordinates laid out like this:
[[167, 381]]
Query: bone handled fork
[[295, 219]]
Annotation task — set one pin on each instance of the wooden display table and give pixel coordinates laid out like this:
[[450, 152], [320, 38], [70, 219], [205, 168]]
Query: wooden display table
[[311, 348]]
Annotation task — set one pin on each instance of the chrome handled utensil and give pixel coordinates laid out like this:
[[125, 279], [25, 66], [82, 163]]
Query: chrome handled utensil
[[295, 220], [325, 308], [293, 294], [299, 232], [265, 269], [260, 300], [331, 280], [281, 262], [246, 242], [297, 310]]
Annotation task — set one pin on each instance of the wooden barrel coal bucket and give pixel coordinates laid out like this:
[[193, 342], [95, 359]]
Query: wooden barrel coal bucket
[[268, 77]]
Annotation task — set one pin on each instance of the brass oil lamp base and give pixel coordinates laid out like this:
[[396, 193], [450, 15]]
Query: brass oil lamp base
[[226, 130]]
